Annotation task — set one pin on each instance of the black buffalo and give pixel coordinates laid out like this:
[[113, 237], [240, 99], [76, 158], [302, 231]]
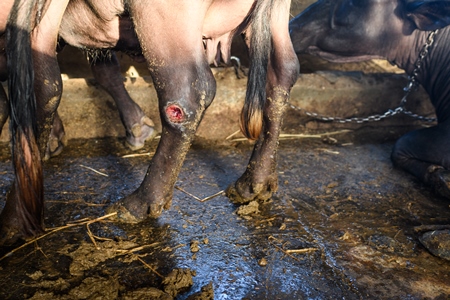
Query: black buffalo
[[403, 32], [357, 30]]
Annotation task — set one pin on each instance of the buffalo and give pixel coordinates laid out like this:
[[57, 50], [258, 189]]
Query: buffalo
[[179, 40]]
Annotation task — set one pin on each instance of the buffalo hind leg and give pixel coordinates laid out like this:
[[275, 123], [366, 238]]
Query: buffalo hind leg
[[425, 153], [185, 87], [180, 118], [57, 138], [22, 216], [138, 127], [260, 180]]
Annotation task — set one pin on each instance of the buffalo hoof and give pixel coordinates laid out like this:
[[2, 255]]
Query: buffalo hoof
[[133, 210], [16, 224], [54, 148], [437, 242], [438, 179], [140, 133], [57, 139], [12, 234], [243, 192], [122, 214], [9, 236], [55, 145]]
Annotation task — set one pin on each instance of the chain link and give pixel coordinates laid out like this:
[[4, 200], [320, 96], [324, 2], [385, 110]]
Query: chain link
[[411, 86]]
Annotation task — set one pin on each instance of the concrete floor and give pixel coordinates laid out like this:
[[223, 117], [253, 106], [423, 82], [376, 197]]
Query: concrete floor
[[343, 225]]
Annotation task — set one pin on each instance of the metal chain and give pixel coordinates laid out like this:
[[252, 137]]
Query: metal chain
[[411, 85]]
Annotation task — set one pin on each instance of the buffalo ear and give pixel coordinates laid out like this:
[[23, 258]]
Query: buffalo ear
[[428, 14]]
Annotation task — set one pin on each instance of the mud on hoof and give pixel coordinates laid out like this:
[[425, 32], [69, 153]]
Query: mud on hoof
[[16, 224], [437, 242], [140, 133], [55, 146], [244, 192], [438, 179], [135, 212], [9, 236], [12, 235]]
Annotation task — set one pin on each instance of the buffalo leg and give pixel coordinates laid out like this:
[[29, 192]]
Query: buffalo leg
[[425, 153], [260, 179], [57, 139], [185, 87], [57, 136], [22, 216], [138, 127]]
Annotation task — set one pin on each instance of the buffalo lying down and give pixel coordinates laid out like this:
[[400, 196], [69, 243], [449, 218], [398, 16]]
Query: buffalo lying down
[[397, 30], [179, 40]]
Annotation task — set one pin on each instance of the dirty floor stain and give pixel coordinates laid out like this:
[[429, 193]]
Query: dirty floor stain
[[343, 225]]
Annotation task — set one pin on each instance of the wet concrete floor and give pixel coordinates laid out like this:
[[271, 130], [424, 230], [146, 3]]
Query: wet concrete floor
[[343, 225]]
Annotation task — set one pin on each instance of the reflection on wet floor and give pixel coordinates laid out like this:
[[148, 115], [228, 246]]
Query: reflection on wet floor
[[341, 226]]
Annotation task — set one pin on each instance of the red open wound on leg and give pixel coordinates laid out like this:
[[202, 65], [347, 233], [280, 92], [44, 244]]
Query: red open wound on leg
[[175, 113]]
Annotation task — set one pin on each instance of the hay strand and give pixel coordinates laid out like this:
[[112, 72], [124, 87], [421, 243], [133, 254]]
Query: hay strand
[[54, 230], [198, 198], [94, 170]]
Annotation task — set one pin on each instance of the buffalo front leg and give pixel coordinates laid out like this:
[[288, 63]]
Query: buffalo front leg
[[138, 127], [260, 180], [57, 139], [424, 153]]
